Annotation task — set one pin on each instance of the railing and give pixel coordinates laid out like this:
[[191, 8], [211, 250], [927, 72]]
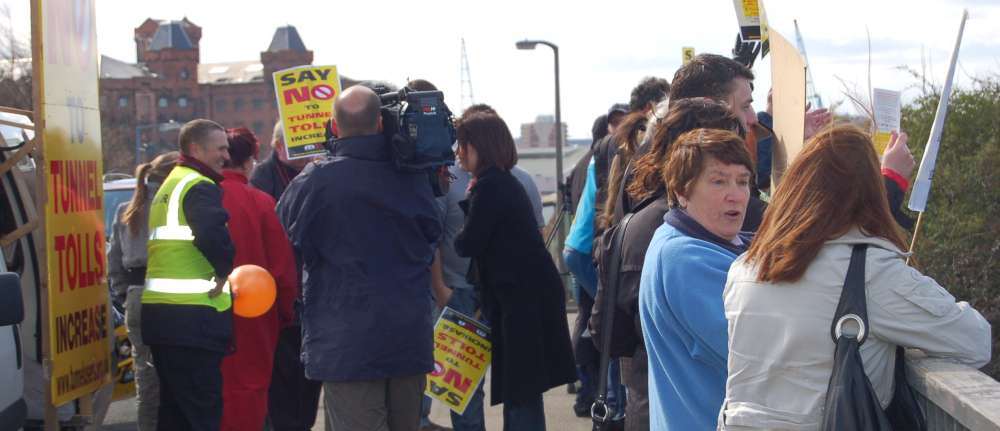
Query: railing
[[954, 396]]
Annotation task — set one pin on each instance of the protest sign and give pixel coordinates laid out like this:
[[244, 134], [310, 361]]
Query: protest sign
[[748, 14], [922, 185], [788, 80], [305, 104], [687, 53], [887, 108], [462, 353]]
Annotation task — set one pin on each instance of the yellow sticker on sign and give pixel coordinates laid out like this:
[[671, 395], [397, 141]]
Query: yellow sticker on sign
[[750, 8], [78, 321], [305, 103], [462, 353]]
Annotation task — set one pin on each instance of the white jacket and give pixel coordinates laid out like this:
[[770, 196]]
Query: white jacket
[[781, 351]]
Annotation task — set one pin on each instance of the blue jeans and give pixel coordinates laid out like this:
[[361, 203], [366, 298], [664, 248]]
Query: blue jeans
[[466, 302], [524, 415], [581, 265], [585, 272]]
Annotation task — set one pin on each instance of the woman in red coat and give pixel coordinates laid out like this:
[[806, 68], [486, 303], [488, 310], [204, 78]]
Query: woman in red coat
[[259, 240]]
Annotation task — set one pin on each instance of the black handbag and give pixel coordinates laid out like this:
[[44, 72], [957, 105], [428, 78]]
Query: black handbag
[[600, 412], [851, 403]]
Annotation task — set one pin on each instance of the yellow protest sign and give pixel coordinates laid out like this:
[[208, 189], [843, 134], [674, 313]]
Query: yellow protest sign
[[305, 103], [462, 353], [748, 15], [687, 53], [78, 324]]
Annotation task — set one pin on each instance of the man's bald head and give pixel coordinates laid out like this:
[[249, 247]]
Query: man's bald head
[[356, 111]]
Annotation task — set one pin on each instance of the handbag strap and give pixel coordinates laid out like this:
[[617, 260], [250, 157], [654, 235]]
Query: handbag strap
[[614, 262], [853, 303]]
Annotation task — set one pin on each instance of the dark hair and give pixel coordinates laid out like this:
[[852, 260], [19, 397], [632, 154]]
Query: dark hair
[[834, 184], [421, 85], [491, 138], [684, 115], [692, 150], [651, 90], [195, 132], [626, 138], [600, 128], [707, 75], [243, 145], [479, 108], [155, 171]]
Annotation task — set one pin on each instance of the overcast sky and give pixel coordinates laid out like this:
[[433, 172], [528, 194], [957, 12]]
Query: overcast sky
[[605, 47]]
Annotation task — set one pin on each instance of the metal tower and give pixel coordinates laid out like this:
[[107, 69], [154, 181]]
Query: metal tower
[[467, 96], [812, 95]]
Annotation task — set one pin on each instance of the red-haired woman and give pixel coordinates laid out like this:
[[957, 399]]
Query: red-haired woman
[[781, 296], [259, 240]]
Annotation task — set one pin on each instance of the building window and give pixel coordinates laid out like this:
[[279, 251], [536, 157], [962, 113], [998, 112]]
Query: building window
[[164, 102], [238, 105], [122, 101], [258, 104], [182, 102], [184, 74], [258, 127], [220, 105]]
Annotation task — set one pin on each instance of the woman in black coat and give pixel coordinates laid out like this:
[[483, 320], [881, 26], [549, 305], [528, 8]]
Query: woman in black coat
[[520, 288]]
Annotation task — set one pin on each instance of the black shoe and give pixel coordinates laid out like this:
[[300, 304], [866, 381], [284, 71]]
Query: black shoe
[[582, 409]]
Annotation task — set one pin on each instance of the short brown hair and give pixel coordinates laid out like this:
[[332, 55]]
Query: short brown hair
[[683, 116], [707, 75], [196, 131], [491, 138], [833, 185], [690, 153]]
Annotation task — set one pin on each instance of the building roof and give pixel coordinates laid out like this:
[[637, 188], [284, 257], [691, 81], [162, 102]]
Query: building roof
[[235, 72], [286, 39], [170, 34], [117, 69]]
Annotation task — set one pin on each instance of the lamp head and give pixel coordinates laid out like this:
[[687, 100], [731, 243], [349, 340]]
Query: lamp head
[[526, 44]]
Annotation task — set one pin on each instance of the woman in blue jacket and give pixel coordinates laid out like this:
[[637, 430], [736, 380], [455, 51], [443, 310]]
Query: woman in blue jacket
[[707, 179]]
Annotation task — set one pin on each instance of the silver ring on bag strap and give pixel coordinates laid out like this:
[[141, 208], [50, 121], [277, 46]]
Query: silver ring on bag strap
[[838, 331]]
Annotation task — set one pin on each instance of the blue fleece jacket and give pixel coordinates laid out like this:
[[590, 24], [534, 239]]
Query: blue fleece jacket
[[684, 328]]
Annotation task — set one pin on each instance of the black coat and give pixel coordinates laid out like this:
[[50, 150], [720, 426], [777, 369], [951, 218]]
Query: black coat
[[522, 293]]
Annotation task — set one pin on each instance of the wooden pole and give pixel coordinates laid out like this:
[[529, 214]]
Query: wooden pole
[[913, 241]]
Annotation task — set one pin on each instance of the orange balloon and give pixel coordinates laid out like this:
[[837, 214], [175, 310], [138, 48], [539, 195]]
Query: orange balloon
[[253, 290]]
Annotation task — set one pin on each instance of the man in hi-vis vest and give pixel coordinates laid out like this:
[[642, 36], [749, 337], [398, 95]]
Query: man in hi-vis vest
[[187, 316]]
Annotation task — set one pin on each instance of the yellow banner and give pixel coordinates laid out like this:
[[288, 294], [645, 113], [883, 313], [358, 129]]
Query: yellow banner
[[79, 323], [462, 353], [305, 102]]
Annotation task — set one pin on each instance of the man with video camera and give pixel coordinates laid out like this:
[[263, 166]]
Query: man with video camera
[[365, 233]]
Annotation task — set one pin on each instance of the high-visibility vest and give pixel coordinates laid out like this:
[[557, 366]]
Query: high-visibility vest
[[176, 271]]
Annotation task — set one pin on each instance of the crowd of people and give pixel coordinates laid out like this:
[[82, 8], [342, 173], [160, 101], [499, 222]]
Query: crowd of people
[[706, 289]]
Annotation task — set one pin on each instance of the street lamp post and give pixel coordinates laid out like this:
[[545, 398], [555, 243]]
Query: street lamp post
[[560, 203]]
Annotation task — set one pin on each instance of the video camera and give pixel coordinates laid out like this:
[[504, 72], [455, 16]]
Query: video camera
[[419, 128]]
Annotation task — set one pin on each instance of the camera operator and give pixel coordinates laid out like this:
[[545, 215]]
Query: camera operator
[[365, 234]]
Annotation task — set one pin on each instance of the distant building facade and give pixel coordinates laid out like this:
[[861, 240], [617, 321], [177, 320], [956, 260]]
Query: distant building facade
[[168, 86], [541, 133]]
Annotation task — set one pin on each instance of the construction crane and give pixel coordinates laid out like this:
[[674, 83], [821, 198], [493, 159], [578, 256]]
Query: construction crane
[[812, 96], [468, 98]]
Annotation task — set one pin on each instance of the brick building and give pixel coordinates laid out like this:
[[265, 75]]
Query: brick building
[[144, 103]]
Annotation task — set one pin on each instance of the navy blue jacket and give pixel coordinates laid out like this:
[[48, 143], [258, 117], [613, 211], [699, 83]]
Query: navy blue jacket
[[365, 234]]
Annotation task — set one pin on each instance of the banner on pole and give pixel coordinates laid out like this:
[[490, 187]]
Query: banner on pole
[[79, 324], [462, 353], [305, 104], [922, 185]]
